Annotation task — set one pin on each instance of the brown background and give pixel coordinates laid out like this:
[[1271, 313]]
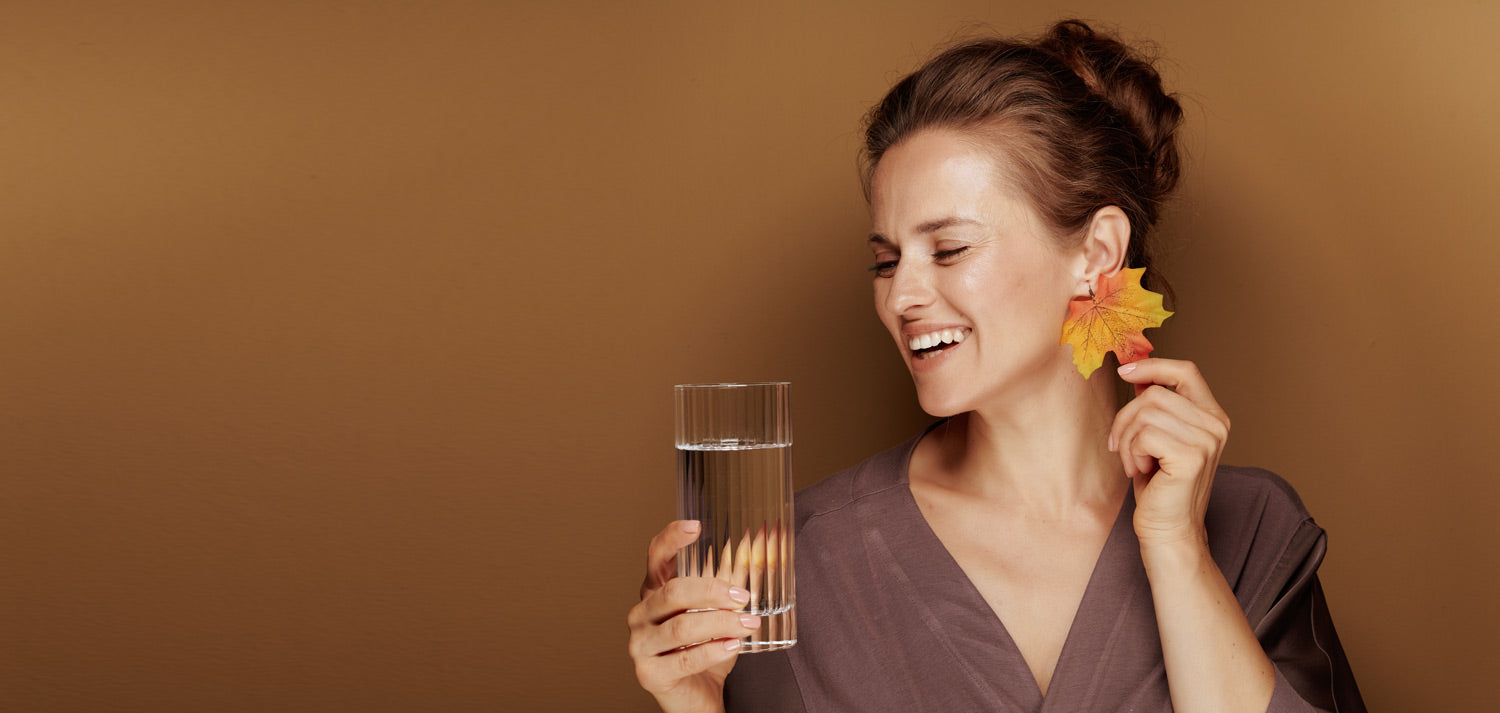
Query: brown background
[[336, 339]]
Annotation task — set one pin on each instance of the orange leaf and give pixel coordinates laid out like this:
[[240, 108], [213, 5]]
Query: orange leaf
[[1113, 321]]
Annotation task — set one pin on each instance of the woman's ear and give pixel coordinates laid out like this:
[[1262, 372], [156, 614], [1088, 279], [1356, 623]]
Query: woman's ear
[[1104, 245]]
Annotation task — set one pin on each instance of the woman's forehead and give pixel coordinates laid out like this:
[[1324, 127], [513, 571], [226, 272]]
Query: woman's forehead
[[939, 179]]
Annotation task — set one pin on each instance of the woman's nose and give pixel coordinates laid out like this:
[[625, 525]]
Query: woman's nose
[[911, 288]]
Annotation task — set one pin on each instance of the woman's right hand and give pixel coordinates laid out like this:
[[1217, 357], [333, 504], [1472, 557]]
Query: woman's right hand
[[682, 654]]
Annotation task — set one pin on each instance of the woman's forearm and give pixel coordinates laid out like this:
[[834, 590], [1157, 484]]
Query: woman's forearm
[[1214, 663]]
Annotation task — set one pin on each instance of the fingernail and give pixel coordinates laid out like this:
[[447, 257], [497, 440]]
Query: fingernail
[[691, 526], [1111, 443], [739, 595], [1126, 369], [750, 621], [731, 644]]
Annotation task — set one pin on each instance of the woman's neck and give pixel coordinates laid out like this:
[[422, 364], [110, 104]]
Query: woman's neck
[[1045, 451]]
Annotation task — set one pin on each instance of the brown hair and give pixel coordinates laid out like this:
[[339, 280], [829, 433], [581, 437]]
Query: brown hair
[[1083, 116]]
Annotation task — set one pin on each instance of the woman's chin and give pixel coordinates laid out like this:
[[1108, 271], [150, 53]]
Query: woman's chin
[[941, 405]]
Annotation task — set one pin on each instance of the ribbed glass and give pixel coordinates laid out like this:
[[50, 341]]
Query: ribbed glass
[[734, 475]]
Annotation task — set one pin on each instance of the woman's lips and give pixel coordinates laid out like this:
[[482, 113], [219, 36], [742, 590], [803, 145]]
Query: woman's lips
[[930, 348], [933, 352], [936, 337]]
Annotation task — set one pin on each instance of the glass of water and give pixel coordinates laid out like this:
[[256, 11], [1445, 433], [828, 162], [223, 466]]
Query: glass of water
[[734, 475]]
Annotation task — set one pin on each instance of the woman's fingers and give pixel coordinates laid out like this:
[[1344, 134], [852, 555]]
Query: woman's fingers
[[1177, 374], [1162, 406], [685, 632], [1137, 464], [687, 627], [1158, 441], [1169, 439], [1167, 447], [1165, 409], [1170, 504], [684, 594], [693, 628], [661, 672], [661, 553]]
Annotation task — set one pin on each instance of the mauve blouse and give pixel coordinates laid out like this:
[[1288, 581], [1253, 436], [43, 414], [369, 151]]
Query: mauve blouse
[[888, 621]]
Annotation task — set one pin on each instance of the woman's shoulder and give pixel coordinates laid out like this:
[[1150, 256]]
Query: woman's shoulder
[[1235, 486], [882, 474], [1258, 529]]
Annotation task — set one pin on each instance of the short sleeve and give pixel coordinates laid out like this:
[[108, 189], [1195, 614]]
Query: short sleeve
[[1312, 672]]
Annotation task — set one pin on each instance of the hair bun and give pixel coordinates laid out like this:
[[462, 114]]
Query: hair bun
[[1129, 82], [1078, 121]]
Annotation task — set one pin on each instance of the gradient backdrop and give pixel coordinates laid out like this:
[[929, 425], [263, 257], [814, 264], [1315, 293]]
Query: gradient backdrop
[[336, 339]]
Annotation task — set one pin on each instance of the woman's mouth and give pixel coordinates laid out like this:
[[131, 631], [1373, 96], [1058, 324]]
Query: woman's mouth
[[930, 344]]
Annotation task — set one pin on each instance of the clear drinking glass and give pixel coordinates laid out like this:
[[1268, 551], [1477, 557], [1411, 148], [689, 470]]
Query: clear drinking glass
[[734, 475]]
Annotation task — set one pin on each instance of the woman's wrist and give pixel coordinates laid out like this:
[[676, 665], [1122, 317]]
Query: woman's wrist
[[1213, 660], [1171, 553]]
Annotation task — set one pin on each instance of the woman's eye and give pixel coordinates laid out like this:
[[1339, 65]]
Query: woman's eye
[[949, 254], [884, 269]]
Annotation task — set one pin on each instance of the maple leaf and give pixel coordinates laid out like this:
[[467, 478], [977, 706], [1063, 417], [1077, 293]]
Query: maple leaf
[[1112, 320]]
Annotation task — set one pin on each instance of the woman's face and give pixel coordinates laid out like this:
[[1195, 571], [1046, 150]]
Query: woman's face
[[968, 281]]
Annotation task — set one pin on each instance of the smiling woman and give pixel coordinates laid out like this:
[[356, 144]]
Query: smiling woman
[[1040, 547], [960, 252]]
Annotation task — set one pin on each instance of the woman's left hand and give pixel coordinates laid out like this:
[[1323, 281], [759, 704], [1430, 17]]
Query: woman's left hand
[[1169, 439]]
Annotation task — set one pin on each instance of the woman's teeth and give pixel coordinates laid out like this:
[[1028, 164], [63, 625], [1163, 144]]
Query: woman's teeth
[[938, 338]]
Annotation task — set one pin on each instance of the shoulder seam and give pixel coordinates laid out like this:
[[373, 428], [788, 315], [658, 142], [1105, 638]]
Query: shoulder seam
[[850, 501], [1276, 483]]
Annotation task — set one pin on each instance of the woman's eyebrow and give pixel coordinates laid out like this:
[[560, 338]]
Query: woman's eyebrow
[[931, 226]]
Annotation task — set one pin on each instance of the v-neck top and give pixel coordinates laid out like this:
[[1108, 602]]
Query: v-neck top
[[888, 621]]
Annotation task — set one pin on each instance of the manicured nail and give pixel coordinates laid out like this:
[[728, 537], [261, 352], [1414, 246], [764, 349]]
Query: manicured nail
[[731, 644], [750, 621], [1126, 369], [1111, 443], [739, 595], [691, 526]]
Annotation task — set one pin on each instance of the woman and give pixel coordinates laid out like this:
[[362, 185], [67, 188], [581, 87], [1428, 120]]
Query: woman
[[1039, 548]]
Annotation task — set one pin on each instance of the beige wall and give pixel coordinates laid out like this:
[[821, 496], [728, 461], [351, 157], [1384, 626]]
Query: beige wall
[[336, 339]]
